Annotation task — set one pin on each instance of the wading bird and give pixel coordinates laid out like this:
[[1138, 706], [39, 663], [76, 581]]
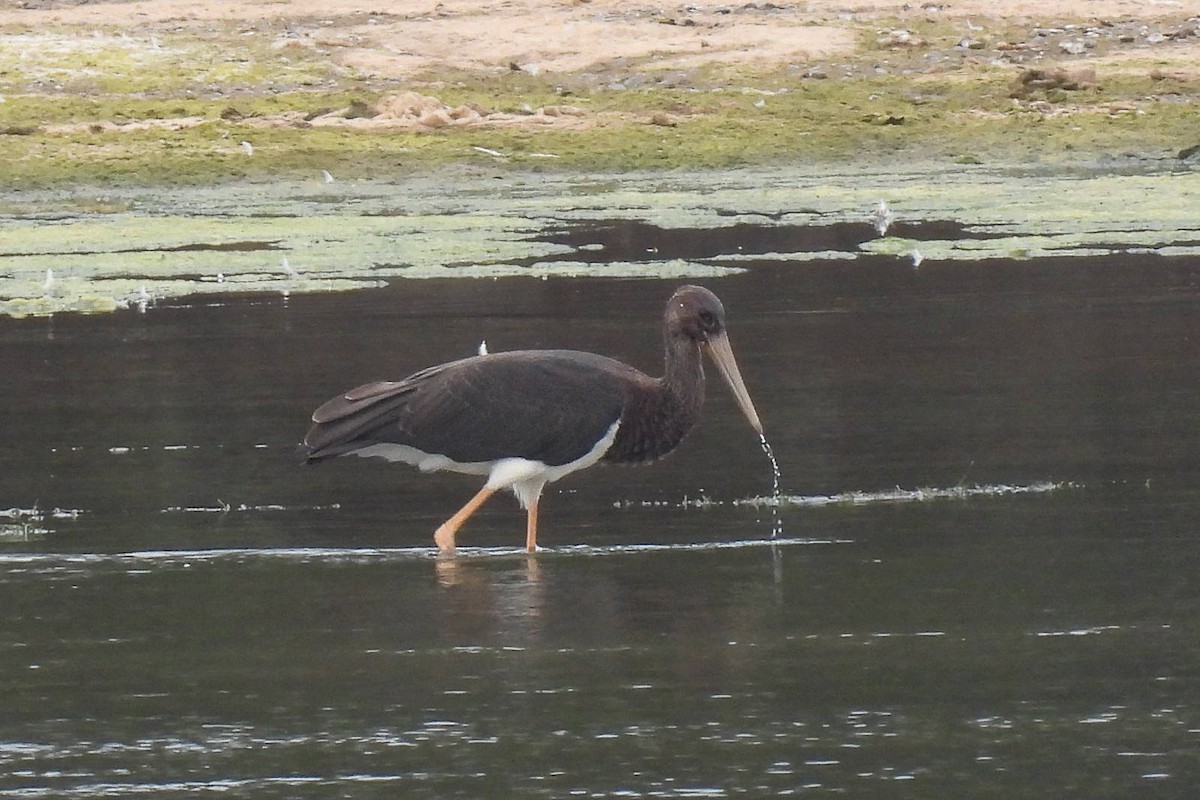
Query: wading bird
[[529, 417], [883, 218]]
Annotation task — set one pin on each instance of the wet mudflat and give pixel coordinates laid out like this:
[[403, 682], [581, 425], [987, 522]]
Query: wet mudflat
[[984, 584]]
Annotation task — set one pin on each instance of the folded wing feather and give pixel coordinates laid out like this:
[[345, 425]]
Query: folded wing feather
[[551, 406]]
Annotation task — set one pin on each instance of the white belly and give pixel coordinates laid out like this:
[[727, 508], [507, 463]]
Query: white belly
[[524, 476]]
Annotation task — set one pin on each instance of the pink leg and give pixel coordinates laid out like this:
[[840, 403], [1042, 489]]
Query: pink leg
[[444, 535], [531, 527]]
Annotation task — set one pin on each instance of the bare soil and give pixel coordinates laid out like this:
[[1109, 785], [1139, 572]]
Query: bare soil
[[407, 38]]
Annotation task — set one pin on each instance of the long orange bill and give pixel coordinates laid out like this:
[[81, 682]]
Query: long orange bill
[[722, 356]]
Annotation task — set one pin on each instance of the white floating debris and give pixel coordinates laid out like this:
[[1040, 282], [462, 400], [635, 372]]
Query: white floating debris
[[488, 151], [916, 257], [1091, 631], [118, 450], [40, 513], [544, 155], [223, 508], [327, 176], [483, 351], [899, 495]]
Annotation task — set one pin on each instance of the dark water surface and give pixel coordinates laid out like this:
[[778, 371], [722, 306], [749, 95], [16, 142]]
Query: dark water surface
[[203, 616]]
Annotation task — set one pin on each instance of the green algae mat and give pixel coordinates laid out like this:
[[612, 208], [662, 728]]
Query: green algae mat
[[105, 250]]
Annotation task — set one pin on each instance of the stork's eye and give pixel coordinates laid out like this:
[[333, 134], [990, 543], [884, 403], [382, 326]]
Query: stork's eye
[[708, 319]]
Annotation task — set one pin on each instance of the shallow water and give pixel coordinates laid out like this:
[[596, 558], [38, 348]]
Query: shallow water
[[983, 583]]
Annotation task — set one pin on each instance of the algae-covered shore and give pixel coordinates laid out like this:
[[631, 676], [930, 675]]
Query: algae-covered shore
[[156, 150], [132, 247]]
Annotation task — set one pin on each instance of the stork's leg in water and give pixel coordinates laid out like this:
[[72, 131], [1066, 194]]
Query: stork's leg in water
[[444, 535], [531, 526]]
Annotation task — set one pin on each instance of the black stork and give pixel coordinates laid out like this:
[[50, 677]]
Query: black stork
[[529, 417]]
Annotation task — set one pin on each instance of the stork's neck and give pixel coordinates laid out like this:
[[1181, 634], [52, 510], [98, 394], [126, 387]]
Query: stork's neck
[[683, 376]]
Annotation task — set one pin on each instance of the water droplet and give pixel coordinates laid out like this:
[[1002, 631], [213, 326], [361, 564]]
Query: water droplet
[[776, 522]]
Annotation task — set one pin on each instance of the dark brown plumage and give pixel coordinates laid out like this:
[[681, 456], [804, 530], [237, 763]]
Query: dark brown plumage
[[525, 418]]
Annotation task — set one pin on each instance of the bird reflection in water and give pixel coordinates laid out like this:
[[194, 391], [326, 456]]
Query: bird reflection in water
[[484, 606], [453, 572]]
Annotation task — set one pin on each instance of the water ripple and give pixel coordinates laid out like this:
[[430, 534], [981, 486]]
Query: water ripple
[[899, 495], [858, 497], [304, 555]]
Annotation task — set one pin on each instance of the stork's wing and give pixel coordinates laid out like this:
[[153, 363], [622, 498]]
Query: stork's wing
[[548, 405]]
